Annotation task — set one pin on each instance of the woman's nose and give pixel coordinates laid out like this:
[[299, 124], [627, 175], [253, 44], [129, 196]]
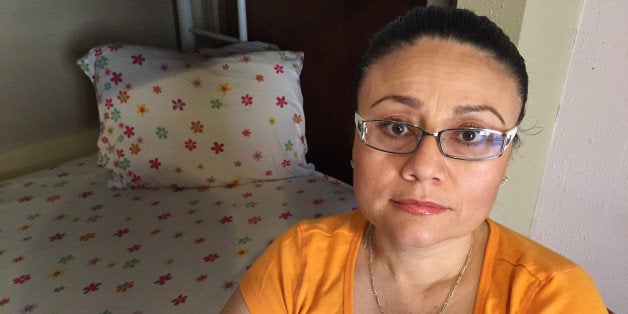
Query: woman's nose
[[426, 163]]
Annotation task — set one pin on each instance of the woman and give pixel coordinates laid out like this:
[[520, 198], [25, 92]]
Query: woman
[[440, 94]]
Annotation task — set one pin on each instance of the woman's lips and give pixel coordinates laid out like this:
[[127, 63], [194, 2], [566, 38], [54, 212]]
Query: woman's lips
[[416, 207]]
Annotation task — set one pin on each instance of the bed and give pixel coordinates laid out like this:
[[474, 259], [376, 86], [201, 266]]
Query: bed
[[202, 161]]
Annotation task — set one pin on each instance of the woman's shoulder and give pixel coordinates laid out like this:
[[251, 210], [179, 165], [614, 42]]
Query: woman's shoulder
[[534, 277], [348, 223], [520, 251]]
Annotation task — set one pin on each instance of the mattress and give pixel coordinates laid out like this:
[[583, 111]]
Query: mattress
[[70, 244]]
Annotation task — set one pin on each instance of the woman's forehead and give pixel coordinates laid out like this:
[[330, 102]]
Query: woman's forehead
[[443, 71]]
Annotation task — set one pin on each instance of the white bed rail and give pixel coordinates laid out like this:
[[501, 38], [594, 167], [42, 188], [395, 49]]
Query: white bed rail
[[188, 31]]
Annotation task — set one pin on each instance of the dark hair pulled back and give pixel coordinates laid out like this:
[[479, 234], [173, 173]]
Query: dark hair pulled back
[[460, 25]]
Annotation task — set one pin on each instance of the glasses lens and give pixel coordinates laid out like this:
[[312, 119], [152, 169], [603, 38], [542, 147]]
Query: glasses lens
[[472, 143], [392, 136]]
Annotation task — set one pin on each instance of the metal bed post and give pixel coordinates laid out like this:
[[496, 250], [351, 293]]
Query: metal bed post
[[187, 29], [184, 10]]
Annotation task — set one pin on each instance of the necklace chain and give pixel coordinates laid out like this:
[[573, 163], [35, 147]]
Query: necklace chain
[[368, 243]]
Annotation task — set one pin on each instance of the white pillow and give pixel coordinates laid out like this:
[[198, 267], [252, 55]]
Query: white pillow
[[171, 119]]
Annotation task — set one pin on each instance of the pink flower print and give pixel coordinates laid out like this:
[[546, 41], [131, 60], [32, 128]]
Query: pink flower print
[[164, 216], [91, 287], [197, 126], [154, 163], [246, 133], [123, 96], [211, 257], [237, 163], [190, 144], [218, 148], [278, 69], [259, 78], [28, 308], [268, 173], [116, 77], [178, 104], [257, 155], [180, 299], [245, 59], [22, 279], [98, 52], [318, 201], [86, 194], [138, 59], [25, 199], [228, 285], [225, 67], [296, 118], [247, 195], [129, 131], [197, 83], [163, 67], [134, 248], [285, 215], [109, 103], [162, 279], [281, 101], [157, 89], [225, 219], [56, 236], [285, 163], [120, 233], [247, 100]]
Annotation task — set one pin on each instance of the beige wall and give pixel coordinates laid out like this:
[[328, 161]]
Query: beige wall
[[544, 31], [47, 107], [508, 14]]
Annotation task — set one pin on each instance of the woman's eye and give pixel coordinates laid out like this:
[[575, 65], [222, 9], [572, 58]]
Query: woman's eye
[[469, 135], [396, 128]]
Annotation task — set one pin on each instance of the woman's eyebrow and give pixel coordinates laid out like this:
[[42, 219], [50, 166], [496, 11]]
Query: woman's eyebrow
[[476, 108], [405, 100]]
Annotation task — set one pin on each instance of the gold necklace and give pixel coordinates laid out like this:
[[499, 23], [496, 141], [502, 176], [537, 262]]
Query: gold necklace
[[368, 243]]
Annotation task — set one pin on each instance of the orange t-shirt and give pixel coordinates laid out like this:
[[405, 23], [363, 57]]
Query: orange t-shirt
[[309, 269]]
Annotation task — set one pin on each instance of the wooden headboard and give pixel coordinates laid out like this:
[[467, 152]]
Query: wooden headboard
[[333, 35]]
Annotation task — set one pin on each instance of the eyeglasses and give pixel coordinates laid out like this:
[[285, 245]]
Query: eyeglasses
[[397, 137]]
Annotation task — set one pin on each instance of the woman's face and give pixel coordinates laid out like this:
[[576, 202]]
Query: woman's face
[[423, 198]]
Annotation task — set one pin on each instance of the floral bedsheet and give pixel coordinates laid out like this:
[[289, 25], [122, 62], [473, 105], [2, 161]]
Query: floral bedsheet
[[70, 244]]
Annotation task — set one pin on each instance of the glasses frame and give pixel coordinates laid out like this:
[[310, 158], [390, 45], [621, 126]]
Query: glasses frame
[[507, 138]]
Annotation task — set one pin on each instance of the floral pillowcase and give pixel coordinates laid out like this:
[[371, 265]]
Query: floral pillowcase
[[171, 119]]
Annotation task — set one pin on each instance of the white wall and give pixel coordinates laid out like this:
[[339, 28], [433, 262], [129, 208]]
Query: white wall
[[582, 209], [47, 106]]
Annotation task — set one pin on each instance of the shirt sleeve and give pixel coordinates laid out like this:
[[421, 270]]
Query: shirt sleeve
[[568, 291], [269, 286]]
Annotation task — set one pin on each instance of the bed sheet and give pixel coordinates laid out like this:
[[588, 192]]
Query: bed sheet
[[69, 244]]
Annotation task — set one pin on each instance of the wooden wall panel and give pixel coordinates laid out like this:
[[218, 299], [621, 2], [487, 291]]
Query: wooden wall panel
[[333, 34]]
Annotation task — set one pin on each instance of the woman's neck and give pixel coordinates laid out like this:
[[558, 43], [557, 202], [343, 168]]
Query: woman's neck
[[427, 266]]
